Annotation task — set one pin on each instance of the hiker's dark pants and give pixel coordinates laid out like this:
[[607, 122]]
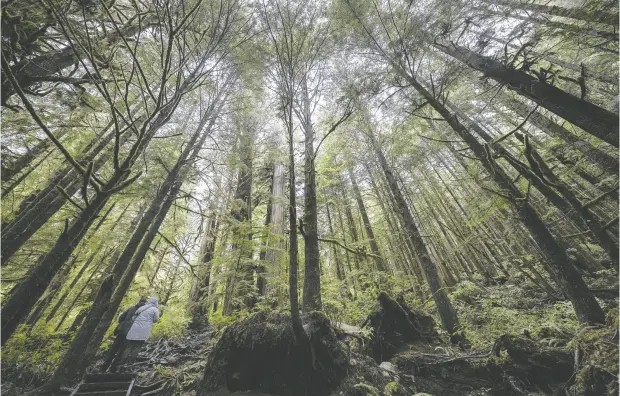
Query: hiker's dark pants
[[115, 352], [132, 349], [122, 352]]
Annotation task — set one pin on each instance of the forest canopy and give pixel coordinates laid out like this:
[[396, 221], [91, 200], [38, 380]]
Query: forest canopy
[[443, 172]]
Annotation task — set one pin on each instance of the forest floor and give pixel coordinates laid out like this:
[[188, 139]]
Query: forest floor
[[520, 342]]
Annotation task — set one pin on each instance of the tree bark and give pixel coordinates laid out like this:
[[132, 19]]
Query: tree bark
[[242, 233], [593, 119], [275, 246], [261, 282], [446, 311], [369, 232], [574, 13], [593, 154], [312, 269], [200, 286], [40, 206], [298, 331], [586, 307], [339, 271], [75, 280]]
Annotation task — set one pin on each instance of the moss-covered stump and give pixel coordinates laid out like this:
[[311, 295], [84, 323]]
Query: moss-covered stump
[[394, 326], [260, 354]]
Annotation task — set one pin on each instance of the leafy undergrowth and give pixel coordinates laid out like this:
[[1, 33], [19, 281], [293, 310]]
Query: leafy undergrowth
[[30, 357]]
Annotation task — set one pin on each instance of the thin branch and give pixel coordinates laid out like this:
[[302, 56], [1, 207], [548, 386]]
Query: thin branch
[[66, 195], [610, 223], [517, 128], [600, 197], [362, 252], [442, 141], [345, 116]]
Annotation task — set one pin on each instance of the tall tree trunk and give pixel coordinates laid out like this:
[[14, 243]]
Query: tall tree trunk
[[261, 281], [89, 282], [351, 222], [53, 289], [24, 295], [36, 209], [589, 73], [75, 280], [171, 278], [275, 246], [158, 266], [293, 269], [96, 250], [592, 154], [8, 189], [407, 262], [446, 311], [594, 224], [369, 232], [568, 204], [339, 271], [574, 13], [200, 286], [312, 269], [593, 119], [586, 307], [240, 282]]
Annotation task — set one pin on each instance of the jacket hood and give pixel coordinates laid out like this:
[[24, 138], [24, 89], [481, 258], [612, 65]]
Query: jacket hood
[[153, 301]]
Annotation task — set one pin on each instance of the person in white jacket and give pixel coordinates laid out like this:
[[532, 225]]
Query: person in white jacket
[[143, 320]]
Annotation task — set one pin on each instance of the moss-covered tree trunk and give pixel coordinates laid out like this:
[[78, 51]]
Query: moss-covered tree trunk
[[447, 313]]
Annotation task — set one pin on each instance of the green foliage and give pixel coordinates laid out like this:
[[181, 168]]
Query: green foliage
[[351, 300], [34, 353], [370, 390], [173, 323], [390, 388], [511, 309], [599, 344], [467, 291], [218, 320]]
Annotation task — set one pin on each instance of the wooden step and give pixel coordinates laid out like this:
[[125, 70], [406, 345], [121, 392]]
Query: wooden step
[[109, 377], [103, 386]]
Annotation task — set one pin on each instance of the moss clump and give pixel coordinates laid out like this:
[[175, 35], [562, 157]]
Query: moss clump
[[468, 292], [592, 381], [599, 345]]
